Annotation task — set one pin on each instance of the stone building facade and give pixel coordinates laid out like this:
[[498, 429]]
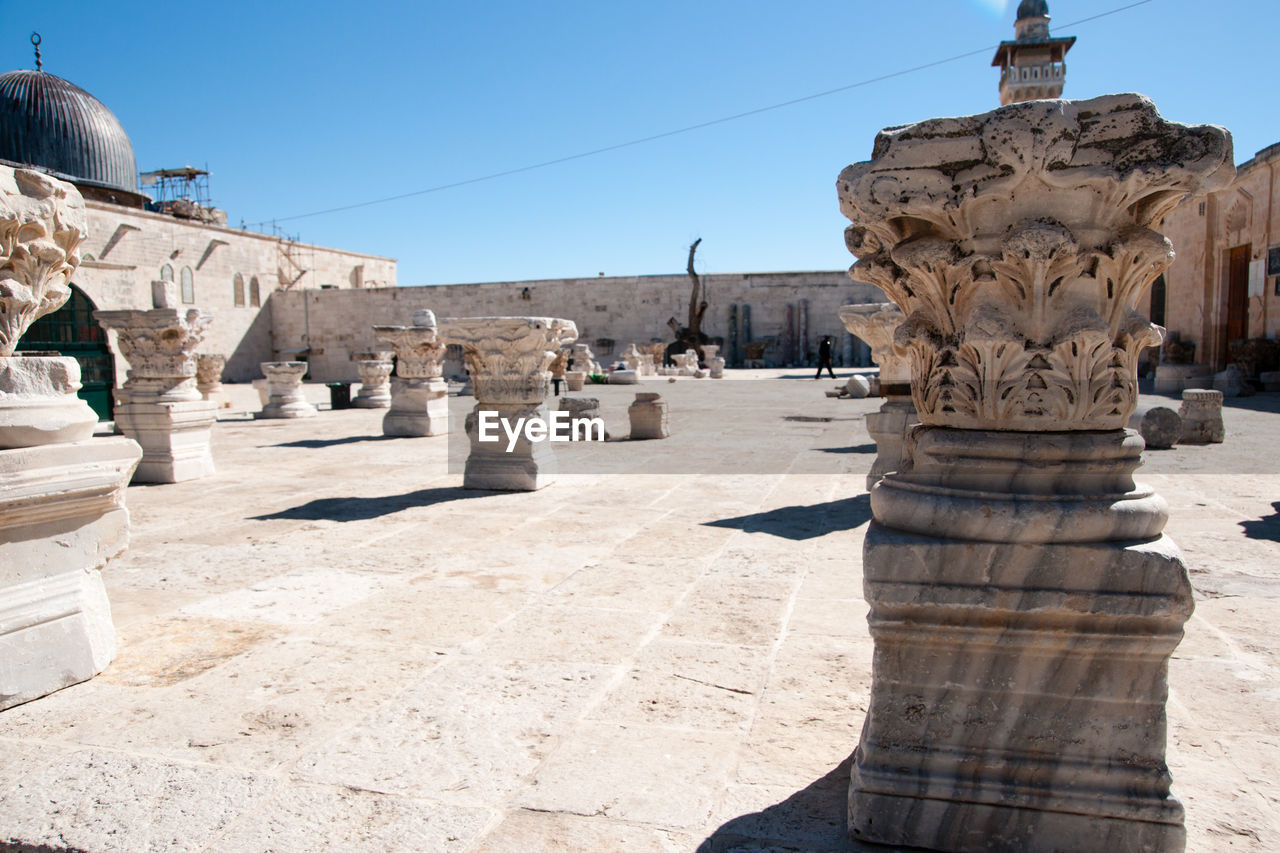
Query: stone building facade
[[789, 313], [1225, 283]]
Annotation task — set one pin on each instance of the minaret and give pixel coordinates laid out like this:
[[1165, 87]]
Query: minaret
[[1032, 66]]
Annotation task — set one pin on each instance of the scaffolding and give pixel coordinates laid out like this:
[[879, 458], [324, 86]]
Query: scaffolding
[[183, 193]]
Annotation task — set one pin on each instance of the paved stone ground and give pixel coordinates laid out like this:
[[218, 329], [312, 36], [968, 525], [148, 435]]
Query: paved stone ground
[[330, 645]]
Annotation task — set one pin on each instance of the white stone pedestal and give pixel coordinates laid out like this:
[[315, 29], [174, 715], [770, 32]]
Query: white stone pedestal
[[375, 381], [62, 517], [648, 416], [284, 391], [160, 405], [419, 394], [509, 359]]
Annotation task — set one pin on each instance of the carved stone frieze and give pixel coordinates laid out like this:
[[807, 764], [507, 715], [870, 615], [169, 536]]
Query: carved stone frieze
[[1017, 244], [160, 347], [875, 323], [509, 358], [42, 223]]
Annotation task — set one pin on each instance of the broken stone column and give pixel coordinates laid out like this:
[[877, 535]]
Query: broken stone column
[[875, 323], [285, 398], [1024, 601], [375, 380], [632, 358], [1201, 413], [419, 394], [159, 406], [648, 416], [509, 360], [575, 379], [584, 359], [209, 367], [62, 512]]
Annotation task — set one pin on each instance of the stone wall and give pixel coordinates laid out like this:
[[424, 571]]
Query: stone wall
[[630, 309], [127, 249], [1203, 232]]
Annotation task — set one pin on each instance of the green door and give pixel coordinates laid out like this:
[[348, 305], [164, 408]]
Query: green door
[[72, 331]]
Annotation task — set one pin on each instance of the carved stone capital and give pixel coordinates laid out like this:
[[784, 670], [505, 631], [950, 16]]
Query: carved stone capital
[[875, 323], [1017, 243], [509, 358], [209, 367], [419, 350], [42, 224], [160, 347]]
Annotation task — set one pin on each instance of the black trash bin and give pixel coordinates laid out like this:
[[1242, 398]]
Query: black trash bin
[[339, 395]]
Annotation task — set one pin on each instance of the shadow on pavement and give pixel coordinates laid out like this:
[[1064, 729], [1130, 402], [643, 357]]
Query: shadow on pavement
[[856, 448], [315, 443], [804, 522], [1264, 528], [361, 509], [812, 819]]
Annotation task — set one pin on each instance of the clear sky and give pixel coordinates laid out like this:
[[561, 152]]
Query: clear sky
[[300, 107]]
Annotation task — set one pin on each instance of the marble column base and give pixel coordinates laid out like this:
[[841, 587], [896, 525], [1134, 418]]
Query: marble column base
[[287, 406], [888, 428], [62, 517], [528, 467], [38, 402], [419, 408], [175, 439], [377, 397]]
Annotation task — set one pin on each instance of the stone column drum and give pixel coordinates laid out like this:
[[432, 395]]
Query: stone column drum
[[375, 380], [62, 509], [284, 391], [876, 323], [1024, 602], [159, 405], [648, 416], [509, 360], [419, 394], [1201, 413]]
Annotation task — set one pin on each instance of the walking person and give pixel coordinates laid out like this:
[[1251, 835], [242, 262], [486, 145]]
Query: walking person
[[824, 357]]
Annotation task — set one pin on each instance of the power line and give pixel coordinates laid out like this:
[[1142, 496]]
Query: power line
[[688, 129]]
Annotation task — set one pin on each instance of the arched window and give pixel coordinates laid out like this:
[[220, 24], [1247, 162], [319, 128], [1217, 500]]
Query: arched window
[[255, 295], [237, 290], [188, 286], [166, 273]]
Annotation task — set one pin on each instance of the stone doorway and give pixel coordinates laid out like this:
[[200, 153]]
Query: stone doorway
[[72, 331], [1237, 300]]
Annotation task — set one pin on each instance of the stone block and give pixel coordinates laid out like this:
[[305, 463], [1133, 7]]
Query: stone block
[[857, 387], [1201, 413], [175, 438], [648, 416]]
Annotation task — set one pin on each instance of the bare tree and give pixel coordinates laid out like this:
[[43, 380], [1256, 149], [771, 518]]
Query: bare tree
[[690, 337]]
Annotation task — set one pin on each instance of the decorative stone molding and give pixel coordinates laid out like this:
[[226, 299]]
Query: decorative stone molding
[[285, 398], [160, 405], [1023, 599], [509, 359], [875, 323], [375, 380], [209, 367], [160, 347], [1017, 243], [42, 223], [419, 394]]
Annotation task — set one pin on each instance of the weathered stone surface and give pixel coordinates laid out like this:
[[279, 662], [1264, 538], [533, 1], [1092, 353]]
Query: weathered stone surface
[[1201, 413], [876, 323], [64, 517], [38, 402], [1018, 242], [1231, 382], [209, 367], [1001, 567], [419, 394], [575, 379], [375, 384], [284, 391], [1159, 426], [42, 223], [509, 360], [857, 386], [648, 417], [888, 428], [1173, 378], [624, 377]]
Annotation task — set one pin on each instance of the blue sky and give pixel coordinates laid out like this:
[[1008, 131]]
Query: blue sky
[[298, 107]]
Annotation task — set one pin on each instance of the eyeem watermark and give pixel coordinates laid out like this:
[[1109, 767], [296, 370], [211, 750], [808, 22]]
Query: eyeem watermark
[[561, 426]]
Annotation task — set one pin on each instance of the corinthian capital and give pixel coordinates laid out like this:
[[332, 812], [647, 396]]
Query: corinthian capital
[[509, 358], [419, 350], [160, 347], [42, 223], [1017, 243], [875, 323]]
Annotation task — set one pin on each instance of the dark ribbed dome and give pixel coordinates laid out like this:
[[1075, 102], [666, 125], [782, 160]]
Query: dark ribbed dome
[[1033, 9], [60, 128]]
